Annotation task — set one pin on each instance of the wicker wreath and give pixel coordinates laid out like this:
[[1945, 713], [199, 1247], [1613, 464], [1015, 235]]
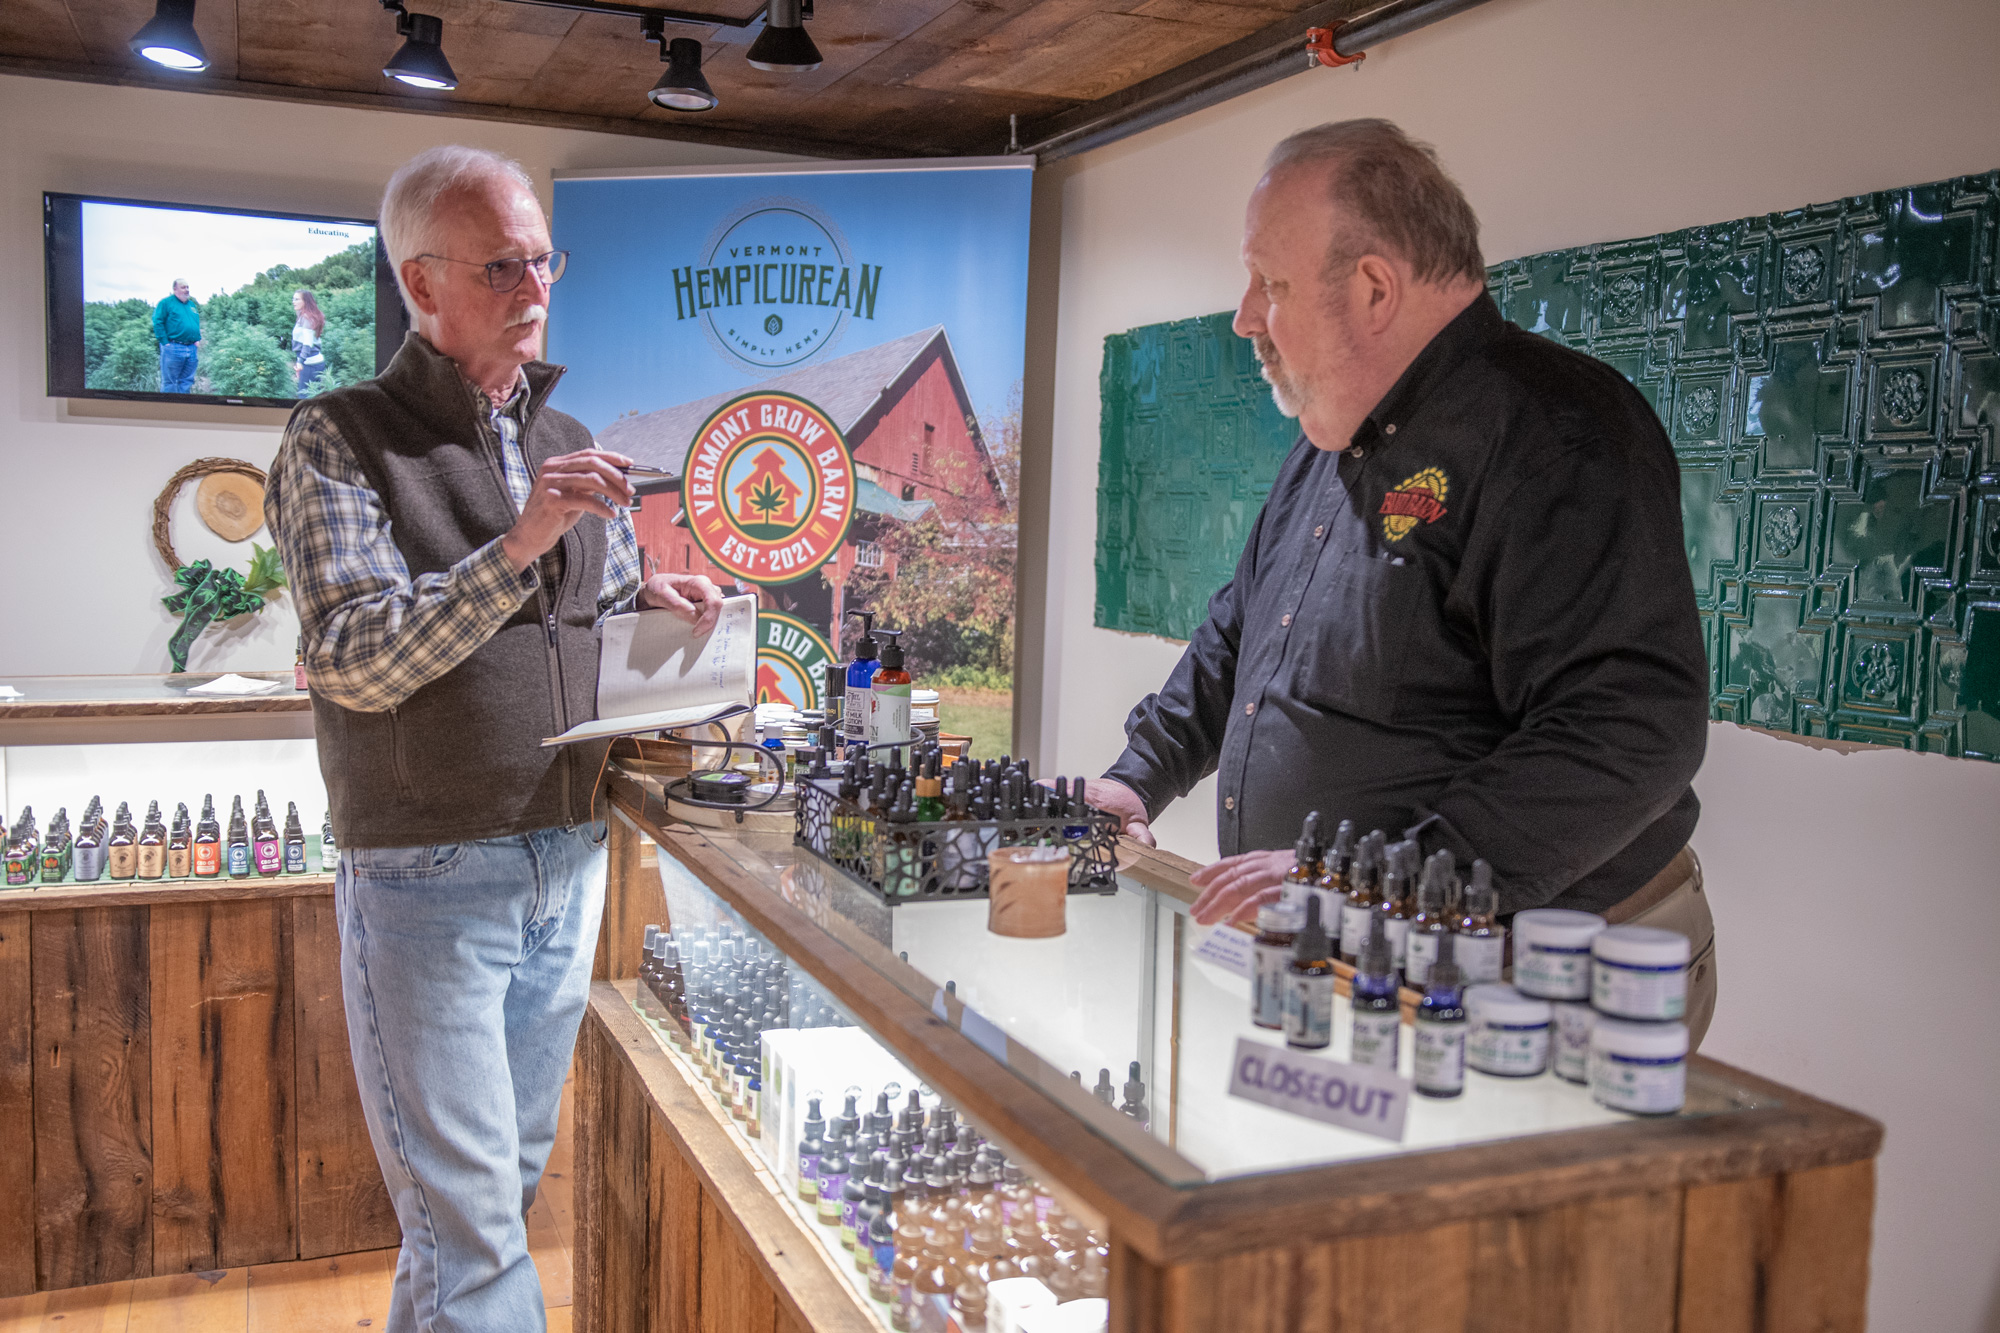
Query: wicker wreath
[[163, 507]]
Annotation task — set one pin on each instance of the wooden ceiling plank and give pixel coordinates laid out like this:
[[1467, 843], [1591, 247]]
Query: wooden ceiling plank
[[40, 28], [337, 46], [1127, 48], [685, 131], [106, 29]]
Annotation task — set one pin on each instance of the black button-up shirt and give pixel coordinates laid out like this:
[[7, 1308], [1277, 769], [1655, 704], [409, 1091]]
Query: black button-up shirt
[[1476, 622]]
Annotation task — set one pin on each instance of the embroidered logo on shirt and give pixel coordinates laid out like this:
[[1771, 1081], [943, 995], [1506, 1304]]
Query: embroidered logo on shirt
[[1420, 499]]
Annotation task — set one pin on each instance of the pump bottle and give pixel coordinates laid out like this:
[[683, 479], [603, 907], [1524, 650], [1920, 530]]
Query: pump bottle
[[855, 714], [889, 695]]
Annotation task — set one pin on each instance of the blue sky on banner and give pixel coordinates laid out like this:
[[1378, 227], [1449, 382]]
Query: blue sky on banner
[[952, 244]]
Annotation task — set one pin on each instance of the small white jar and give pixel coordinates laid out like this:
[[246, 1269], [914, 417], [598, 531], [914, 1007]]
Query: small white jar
[[1508, 1032], [1572, 1046], [1638, 1067], [1552, 952], [1639, 973]]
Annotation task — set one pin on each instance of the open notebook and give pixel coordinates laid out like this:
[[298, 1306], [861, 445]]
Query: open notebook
[[656, 673]]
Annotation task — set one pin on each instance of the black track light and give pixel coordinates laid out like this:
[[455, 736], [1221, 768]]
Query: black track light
[[169, 39], [421, 62], [783, 45], [682, 87]]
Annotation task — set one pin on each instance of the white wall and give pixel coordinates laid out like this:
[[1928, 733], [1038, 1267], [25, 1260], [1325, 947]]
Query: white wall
[[1848, 889], [80, 584]]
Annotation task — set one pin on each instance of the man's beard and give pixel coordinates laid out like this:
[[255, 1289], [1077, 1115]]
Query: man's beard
[[1290, 395]]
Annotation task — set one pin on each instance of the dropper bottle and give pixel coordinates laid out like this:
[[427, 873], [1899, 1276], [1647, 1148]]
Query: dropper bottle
[[1134, 1090], [1270, 957], [1376, 1036], [1440, 1031], [812, 1141], [1393, 900], [1299, 880], [1331, 886], [1355, 912], [1430, 921], [1481, 941], [1309, 986]]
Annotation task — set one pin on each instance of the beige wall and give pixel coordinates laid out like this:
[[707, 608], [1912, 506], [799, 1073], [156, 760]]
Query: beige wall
[[1847, 889], [81, 587]]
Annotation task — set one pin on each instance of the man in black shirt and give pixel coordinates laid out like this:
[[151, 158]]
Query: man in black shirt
[[1465, 610]]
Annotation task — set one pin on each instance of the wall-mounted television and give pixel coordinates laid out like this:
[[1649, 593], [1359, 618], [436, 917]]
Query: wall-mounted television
[[163, 302]]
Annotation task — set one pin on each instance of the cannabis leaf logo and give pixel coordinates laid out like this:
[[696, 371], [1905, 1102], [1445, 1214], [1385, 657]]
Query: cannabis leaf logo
[[766, 498]]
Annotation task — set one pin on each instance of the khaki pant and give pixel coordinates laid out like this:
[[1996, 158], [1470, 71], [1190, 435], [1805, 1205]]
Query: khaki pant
[[1674, 900]]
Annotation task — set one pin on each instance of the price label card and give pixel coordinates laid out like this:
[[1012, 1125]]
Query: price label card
[[1365, 1100], [1226, 946]]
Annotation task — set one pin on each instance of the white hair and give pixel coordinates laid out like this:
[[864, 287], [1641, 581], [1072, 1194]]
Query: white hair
[[410, 203]]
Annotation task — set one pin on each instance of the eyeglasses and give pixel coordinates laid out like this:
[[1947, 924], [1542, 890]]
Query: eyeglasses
[[504, 275]]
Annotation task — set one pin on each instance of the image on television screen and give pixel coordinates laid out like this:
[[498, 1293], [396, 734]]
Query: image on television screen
[[228, 304]]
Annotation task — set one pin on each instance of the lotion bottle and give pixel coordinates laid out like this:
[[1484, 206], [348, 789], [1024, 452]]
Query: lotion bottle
[[855, 714]]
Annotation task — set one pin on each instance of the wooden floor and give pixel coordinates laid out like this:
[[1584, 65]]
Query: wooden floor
[[310, 1296]]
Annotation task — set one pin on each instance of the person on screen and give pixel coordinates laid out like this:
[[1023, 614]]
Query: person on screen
[[308, 356], [453, 543], [177, 329]]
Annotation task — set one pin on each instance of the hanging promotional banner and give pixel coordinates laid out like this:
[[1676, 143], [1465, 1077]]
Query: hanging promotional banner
[[827, 364]]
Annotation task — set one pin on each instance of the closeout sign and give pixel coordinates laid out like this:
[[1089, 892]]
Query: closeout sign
[[1367, 1101]]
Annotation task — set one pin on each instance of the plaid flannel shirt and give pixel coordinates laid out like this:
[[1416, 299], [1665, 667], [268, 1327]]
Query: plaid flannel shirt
[[373, 634]]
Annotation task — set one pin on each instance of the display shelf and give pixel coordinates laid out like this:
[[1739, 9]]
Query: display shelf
[[73, 710], [69, 894], [1219, 1214]]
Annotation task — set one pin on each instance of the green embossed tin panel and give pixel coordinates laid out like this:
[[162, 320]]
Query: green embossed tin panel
[[1830, 378], [1192, 443]]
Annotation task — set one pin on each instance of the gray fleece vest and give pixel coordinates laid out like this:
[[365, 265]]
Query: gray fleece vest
[[462, 758]]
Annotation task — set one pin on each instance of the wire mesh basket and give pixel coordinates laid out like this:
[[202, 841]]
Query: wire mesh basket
[[928, 861]]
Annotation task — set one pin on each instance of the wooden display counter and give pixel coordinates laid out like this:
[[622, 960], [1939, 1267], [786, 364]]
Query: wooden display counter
[[1754, 1217], [175, 1088], [175, 1083]]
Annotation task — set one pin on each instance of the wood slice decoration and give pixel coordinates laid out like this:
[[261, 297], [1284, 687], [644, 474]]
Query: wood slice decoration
[[244, 506], [231, 504]]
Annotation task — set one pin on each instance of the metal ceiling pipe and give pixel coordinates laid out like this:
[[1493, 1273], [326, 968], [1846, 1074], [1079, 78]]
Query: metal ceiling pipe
[[1250, 63]]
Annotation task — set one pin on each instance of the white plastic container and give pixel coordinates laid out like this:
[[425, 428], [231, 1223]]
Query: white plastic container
[[1552, 952], [1509, 1031], [1638, 1067], [1572, 1047], [1640, 973]]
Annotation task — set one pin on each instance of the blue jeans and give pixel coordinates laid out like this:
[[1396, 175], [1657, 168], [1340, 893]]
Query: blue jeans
[[177, 364], [464, 969]]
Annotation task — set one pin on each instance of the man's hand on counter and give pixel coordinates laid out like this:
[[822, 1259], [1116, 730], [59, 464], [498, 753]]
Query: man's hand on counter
[[1236, 886], [690, 596], [1121, 800]]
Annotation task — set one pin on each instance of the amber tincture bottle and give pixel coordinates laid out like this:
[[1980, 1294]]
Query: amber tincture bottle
[[122, 851], [1304, 874], [153, 844], [1481, 941], [180, 844], [1435, 892], [1270, 957], [207, 841], [1309, 986], [1331, 886], [1363, 878]]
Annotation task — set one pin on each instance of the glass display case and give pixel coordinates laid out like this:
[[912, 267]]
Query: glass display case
[[1096, 1066]]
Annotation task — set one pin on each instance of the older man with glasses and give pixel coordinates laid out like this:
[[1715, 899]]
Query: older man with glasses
[[453, 544]]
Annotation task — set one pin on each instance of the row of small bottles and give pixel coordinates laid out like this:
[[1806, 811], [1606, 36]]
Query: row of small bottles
[[715, 995], [123, 848], [928, 1211], [1403, 919], [933, 1215]]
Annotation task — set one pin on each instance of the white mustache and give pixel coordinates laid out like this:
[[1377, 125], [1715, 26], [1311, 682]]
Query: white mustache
[[533, 314]]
